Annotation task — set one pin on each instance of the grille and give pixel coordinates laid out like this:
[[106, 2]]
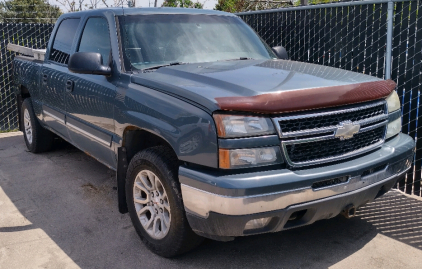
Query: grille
[[323, 136], [332, 148], [288, 124]]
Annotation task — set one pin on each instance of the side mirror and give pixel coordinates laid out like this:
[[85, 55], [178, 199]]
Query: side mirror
[[88, 63], [281, 52]]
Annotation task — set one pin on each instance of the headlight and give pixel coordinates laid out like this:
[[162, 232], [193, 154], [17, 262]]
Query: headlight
[[242, 158], [393, 102], [242, 126]]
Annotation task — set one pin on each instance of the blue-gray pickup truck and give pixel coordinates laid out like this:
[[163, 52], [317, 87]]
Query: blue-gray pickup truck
[[211, 132]]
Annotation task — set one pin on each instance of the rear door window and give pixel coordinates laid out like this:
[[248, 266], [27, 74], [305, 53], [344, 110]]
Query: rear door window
[[60, 52], [96, 38]]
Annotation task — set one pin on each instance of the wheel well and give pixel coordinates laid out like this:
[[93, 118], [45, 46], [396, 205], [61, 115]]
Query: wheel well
[[135, 140], [24, 92]]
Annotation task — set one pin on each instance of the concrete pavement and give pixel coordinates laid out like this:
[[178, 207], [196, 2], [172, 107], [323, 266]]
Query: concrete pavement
[[58, 210]]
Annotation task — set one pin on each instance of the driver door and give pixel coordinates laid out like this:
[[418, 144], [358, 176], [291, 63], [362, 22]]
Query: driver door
[[90, 98]]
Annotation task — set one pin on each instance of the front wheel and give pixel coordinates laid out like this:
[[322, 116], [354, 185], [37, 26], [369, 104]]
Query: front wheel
[[155, 203]]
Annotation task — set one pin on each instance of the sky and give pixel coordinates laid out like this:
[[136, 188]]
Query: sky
[[208, 4]]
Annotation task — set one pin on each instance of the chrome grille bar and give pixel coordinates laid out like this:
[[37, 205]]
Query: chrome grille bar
[[383, 119], [282, 134], [328, 133]]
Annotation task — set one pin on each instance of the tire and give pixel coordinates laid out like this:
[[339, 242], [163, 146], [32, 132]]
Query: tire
[[165, 232], [37, 138]]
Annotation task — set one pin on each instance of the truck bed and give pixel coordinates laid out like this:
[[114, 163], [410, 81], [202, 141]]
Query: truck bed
[[37, 54]]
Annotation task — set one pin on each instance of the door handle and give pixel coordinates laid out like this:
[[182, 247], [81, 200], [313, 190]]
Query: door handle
[[69, 85], [44, 78]]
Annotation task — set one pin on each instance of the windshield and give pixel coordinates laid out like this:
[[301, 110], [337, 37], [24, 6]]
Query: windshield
[[160, 39]]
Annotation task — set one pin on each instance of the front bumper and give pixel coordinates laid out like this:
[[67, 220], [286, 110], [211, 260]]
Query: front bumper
[[219, 206]]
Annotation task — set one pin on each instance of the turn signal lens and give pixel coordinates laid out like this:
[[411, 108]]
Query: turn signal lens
[[244, 158], [242, 126]]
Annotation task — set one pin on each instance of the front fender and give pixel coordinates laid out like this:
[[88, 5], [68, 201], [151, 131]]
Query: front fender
[[170, 118]]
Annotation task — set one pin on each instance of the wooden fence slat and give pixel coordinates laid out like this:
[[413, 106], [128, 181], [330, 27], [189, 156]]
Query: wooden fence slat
[[362, 38], [296, 35], [369, 39], [323, 36], [344, 39], [331, 36], [396, 41], [417, 80], [312, 36], [350, 31], [302, 35], [375, 43], [357, 21], [306, 36], [412, 67], [382, 41], [338, 37]]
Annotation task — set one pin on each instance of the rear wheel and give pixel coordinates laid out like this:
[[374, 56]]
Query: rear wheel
[[155, 203], [37, 138]]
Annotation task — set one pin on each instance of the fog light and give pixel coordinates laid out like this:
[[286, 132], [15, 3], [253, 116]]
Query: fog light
[[257, 223]]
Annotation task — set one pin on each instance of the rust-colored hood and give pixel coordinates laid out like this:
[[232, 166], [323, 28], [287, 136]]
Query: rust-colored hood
[[273, 86]]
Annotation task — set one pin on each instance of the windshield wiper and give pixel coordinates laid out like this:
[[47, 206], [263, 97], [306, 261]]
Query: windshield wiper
[[163, 65]]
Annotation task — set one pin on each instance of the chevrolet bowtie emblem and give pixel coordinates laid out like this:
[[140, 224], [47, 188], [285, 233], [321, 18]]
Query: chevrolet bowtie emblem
[[346, 130]]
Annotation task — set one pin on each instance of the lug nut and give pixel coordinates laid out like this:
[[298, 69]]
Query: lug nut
[[152, 194], [161, 210], [158, 193], [156, 211], [161, 201]]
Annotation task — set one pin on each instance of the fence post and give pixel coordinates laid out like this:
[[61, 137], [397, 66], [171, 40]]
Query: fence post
[[390, 14]]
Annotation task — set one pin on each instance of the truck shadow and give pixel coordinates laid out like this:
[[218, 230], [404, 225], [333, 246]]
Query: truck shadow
[[326, 242], [72, 198]]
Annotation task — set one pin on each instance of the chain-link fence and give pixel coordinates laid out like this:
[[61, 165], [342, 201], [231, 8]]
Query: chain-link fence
[[31, 35], [380, 38], [27, 25], [319, 2]]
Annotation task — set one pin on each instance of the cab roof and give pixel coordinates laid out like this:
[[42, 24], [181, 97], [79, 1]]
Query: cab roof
[[118, 11]]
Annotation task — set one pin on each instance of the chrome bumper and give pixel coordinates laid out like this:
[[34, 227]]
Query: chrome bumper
[[396, 155], [201, 203]]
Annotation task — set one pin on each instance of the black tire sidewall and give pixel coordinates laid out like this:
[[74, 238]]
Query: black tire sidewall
[[163, 245], [42, 139]]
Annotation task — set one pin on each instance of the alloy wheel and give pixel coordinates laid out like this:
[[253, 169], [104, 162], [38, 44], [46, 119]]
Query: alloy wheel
[[152, 204], [27, 125]]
